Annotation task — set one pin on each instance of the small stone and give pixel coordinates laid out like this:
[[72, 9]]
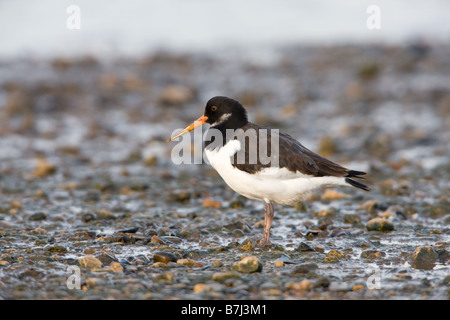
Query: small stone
[[90, 262], [156, 239], [237, 204], [163, 278], [116, 267], [304, 247], [239, 225], [327, 213], [106, 258], [248, 265], [300, 206], [105, 214], [199, 287], [175, 95], [370, 206], [372, 255], [92, 195], [43, 169], [217, 264], [279, 264], [248, 244], [327, 146], [424, 258], [302, 285], [330, 194], [304, 268], [379, 224], [57, 249], [38, 216], [15, 205], [223, 276], [352, 219], [333, 257], [210, 203], [186, 262], [39, 231], [164, 257], [88, 217], [151, 161], [358, 287]]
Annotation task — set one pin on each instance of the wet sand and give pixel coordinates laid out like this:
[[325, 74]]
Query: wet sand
[[87, 180]]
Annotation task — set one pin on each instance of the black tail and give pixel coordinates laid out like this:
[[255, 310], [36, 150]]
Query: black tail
[[357, 184]]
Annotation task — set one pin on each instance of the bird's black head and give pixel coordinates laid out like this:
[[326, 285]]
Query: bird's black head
[[226, 113]]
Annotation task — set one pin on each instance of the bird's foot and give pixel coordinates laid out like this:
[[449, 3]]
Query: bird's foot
[[263, 243]]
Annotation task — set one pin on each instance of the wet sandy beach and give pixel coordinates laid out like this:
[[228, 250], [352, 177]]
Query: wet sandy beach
[[87, 180]]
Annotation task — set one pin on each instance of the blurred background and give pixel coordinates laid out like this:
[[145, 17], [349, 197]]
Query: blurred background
[[85, 114], [110, 81]]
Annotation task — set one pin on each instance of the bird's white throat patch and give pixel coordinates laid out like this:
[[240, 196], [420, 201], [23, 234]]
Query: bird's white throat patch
[[222, 119]]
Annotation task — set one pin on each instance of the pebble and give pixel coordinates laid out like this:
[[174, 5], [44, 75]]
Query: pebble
[[279, 264], [199, 287], [116, 267], [164, 257], [223, 276], [88, 217], [379, 224], [352, 219], [330, 194], [372, 254], [370, 206], [43, 169], [175, 95], [302, 285], [38, 216], [304, 268], [333, 257], [248, 265], [424, 258], [304, 247], [90, 262], [186, 262], [163, 278], [238, 225], [248, 245], [57, 249], [217, 263], [210, 203], [106, 258]]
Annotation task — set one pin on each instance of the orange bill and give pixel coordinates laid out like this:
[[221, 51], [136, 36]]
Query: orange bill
[[197, 123]]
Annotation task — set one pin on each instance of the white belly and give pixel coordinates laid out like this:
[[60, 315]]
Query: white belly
[[271, 184]]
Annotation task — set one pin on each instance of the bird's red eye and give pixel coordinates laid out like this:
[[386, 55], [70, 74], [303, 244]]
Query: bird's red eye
[[213, 108]]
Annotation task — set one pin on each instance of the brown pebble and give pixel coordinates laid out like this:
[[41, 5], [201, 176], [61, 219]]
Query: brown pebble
[[116, 267], [379, 224], [186, 262], [164, 257], [424, 258], [210, 203], [217, 263], [89, 261], [333, 257]]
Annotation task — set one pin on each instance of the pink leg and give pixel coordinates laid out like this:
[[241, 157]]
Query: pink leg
[[268, 216]]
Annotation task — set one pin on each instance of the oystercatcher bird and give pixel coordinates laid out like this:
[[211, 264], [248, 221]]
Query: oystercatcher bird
[[262, 163]]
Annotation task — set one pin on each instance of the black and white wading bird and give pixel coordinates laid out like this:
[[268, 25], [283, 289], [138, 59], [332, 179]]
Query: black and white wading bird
[[238, 150]]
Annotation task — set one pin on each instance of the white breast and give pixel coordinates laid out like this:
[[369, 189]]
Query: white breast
[[270, 184]]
